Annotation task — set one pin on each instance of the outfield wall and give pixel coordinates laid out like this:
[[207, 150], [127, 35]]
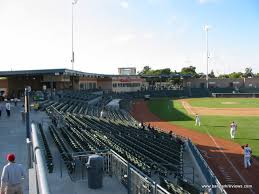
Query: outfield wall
[[222, 82], [235, 95]]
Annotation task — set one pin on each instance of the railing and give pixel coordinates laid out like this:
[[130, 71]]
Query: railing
[[114, 165], [37, 159], [212, 180]]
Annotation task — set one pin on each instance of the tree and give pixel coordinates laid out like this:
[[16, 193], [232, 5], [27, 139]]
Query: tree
[[146, 70], [223, 76], [211, 74], [166, 71], [248, 72], [200, 75], [236, 75], [189, 70]]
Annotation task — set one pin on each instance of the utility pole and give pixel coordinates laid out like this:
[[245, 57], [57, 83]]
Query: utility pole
[[27, 90]]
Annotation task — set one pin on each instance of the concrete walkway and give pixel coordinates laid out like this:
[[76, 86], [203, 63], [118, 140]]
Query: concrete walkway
[[13, 138]]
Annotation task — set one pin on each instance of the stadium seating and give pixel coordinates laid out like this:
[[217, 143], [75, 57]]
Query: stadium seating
[[222, 90], [48, 155], [198, 92], [152, 151]]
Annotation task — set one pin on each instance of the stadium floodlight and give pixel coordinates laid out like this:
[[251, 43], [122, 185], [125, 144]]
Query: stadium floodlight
[[73, 54], [207, 28]]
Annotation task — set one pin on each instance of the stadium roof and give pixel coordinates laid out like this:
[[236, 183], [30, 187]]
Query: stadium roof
[[49, 72], [81, 74]]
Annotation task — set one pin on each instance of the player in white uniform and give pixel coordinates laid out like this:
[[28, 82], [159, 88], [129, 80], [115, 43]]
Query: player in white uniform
[[247, 155], [197, 120], [233, 129]]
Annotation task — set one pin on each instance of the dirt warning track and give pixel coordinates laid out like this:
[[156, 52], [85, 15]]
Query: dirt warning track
[[224, 157]]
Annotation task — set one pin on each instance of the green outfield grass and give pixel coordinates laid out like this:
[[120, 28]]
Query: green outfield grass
[[173, 111], [225, 102]]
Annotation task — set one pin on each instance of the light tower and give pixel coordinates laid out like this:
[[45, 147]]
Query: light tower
[[207, 28], [73, 54]]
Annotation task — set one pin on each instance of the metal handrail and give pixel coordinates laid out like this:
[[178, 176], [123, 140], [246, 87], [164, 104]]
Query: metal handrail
[[211, 174], [40, 167]]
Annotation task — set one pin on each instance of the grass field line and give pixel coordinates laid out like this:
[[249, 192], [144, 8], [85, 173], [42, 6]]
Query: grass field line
[[228, 160], [187, 107]]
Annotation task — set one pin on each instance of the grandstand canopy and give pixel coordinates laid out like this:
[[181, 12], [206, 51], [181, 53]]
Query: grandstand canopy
[[49, 72]]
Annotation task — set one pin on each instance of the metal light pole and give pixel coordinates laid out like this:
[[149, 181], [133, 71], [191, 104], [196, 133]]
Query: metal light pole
[[207, 53], [27, 111], [73, 55], [27, 122]]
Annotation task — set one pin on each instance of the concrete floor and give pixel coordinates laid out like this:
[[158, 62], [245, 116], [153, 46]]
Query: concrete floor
[[13, 138]]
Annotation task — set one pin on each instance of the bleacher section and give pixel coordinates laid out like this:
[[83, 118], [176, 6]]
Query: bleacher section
[[222, 90], [197, 92], [152, 93], [79, 128], [48, 155]]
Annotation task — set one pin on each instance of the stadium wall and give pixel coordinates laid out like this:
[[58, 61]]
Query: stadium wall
[[214, 83], [251, 82]]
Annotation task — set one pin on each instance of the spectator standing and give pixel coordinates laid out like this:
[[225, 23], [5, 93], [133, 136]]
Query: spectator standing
[[12, 176], [15, 101], [8, 108]]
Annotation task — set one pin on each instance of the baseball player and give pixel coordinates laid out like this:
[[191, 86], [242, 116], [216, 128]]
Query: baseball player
[[247, 155], [233, 129], [197, 120]]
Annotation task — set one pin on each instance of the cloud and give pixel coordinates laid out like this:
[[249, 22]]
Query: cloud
[[124, 4]]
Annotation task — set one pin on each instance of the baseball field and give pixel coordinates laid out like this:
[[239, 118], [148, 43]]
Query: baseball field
[[216, 115]]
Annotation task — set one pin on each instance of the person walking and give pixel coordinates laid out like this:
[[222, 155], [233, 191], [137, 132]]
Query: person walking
[[15, 101], [12, 176], [247, 156], [8, 108]]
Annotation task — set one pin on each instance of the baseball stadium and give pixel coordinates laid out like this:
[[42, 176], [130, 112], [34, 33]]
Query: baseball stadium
[[129, 97], [95, 133]]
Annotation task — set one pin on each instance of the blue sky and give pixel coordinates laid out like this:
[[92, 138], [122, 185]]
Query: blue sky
[[120, 33]]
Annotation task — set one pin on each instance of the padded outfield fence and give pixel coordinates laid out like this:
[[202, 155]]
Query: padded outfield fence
[[235, 95], [207, 172]]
